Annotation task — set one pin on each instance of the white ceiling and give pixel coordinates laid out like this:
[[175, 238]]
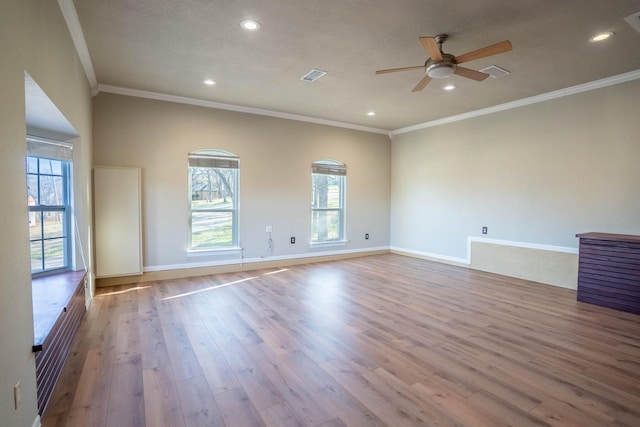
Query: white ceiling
[[170, 47]]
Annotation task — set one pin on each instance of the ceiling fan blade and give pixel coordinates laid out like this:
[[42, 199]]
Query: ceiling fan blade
[[494, 49], [393, 70], [430, 45], [470, 74], [422, 84]]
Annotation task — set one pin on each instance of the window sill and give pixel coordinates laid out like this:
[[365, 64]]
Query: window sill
[[329, 243], [208, 252]]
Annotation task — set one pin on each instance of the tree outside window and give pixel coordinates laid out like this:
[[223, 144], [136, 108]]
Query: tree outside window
[[213, 182], [49, 214], [327, 201]]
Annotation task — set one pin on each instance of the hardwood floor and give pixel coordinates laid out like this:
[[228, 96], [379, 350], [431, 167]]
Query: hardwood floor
[[384, 340]]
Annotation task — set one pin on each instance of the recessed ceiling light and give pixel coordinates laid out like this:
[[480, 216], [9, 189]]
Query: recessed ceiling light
[[371, 113], [209, 82], [449, 87], [250, 25], [600, 37]]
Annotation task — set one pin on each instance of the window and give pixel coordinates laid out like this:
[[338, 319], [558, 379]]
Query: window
[[49, 201], [213, 182], [327, 202]]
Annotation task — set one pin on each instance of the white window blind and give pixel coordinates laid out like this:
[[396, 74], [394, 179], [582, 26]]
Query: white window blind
[[329, 169], [204, 161], [49, 149]]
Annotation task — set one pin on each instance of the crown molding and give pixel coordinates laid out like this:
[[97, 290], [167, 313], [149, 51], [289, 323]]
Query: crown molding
[[73, 23], [75, 30], [77, 35], [596, 84], [230, 107]]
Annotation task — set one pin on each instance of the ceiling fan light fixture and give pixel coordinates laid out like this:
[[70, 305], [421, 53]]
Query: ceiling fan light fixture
[[441, 70]]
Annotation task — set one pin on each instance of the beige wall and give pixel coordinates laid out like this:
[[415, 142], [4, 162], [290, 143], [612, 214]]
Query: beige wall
[[33, 38], [275, 175], [536, 174]]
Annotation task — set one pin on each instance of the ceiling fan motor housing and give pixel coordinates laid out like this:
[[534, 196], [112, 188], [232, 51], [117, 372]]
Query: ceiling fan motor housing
[[441, 69]]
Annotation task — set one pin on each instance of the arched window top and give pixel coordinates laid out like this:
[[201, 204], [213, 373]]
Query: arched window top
[[329, 167]]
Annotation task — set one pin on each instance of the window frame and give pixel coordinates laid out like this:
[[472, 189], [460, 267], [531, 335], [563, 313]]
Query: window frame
[[225, 160], [41, 209], [338, 171]]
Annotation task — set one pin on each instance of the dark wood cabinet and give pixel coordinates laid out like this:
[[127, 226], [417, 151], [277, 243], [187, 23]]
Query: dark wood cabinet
[[609, 270]]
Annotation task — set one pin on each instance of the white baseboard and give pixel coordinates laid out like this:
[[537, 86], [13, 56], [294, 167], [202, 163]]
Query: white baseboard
[[542, 247], [549, 264], [239, 261], [435, 256], [467, 260], [179, 271]]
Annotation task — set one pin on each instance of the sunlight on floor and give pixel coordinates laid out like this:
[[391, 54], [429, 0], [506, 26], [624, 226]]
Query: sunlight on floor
[[124, 291], [138, 288], [211, 288], [275, 272], [223, 285]]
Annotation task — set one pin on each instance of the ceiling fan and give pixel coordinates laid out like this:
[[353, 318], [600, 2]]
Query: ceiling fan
[[440, 65]]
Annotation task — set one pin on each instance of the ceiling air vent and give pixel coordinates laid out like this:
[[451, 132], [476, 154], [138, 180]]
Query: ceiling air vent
[[495, 71], [313, 75], [634, 21]]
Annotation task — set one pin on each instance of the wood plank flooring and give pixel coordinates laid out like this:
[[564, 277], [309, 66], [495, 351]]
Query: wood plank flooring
[[383, 340]]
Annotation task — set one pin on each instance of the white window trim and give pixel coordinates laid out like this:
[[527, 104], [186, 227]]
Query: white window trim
[[45, 148], [335, 168], [232, 250], [328, 243], [231, 161]]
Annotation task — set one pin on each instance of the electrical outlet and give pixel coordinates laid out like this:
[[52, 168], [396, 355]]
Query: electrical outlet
[[485, 230], [269, 229], [17, 397], [293, 240], [366, 236]]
